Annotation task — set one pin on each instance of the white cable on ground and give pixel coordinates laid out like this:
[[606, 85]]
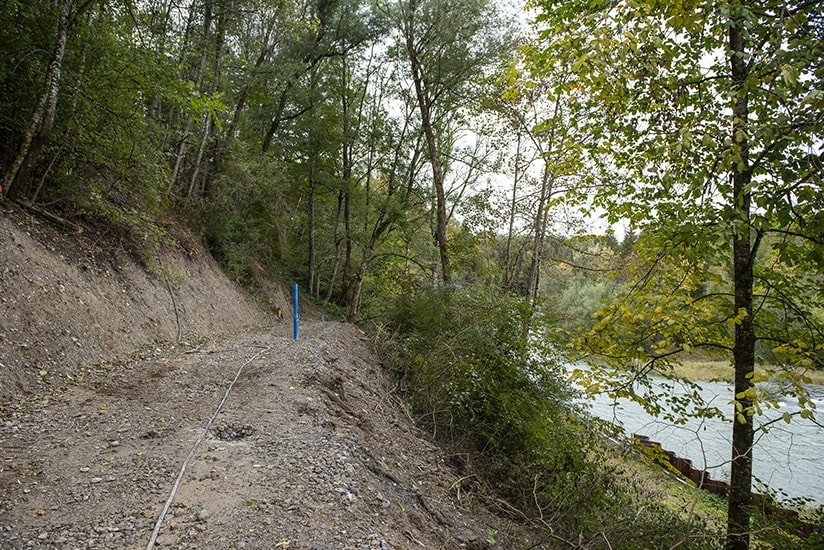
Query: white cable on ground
[[192, 452]]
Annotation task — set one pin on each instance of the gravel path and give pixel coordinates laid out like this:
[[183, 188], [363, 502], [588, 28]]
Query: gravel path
[[311, 450]]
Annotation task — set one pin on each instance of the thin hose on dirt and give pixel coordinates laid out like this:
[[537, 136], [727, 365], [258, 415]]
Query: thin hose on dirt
[[192, 452]]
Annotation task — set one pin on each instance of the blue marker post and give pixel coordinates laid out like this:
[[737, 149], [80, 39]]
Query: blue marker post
[[295, 309]]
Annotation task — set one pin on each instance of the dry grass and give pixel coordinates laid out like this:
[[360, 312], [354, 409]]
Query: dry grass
[[707, 370]]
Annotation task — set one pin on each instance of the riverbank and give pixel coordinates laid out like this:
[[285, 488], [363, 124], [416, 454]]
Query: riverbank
[[786, 454], [721, 371]]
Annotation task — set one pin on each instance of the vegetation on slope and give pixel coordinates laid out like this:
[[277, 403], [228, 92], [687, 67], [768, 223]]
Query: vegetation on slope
[[481, 383]]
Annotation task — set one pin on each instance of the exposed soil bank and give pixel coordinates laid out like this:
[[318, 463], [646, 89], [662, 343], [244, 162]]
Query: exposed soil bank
[[102, 407]]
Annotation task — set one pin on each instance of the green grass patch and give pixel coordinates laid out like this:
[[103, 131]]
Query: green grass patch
[[682, 497]]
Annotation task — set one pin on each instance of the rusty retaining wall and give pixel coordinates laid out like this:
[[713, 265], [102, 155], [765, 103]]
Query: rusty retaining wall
[[702, 480]]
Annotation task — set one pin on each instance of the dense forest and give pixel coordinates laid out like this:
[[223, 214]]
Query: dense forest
[[629, 182]]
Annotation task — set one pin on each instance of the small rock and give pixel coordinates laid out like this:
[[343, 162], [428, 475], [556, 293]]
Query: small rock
[[166, 540], [97, 479]]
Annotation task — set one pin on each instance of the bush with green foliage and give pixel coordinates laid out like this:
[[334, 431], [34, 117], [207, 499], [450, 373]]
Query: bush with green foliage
[[477, 378], [247, 217], [474, 379]]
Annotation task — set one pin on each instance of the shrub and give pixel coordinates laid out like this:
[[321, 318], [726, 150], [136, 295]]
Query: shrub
[[477, 378]]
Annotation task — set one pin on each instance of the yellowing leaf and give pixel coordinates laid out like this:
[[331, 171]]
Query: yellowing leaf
[[789, 74]]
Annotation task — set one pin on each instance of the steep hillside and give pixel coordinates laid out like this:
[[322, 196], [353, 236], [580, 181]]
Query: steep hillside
[[79, 298], [235, 437]]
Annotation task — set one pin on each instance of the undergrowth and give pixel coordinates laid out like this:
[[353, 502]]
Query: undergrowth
[[477, 379]]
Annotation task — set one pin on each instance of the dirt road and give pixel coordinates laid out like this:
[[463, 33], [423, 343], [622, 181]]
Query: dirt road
[[310, 449]]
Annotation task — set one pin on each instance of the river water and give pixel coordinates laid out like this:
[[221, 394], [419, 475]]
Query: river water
[[788, 458]]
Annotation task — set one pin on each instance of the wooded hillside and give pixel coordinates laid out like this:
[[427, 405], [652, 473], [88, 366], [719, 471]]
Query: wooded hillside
[[633, 183]]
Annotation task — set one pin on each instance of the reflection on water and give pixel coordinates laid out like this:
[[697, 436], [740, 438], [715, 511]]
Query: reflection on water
[[786, 458]]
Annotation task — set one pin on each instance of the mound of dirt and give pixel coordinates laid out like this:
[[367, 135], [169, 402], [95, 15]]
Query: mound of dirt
[[119, 434]]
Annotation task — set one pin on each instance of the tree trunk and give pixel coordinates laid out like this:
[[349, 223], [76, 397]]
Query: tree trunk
[[207, 127], [539, 232], [265, 52], [357, 285], [738, 519], [434, 161], [210, 137], [276, 120], [338, 240], [346, 156], [42, 119], [180, 154], [508, 267], [201, 69], [160, 32], [310, 221], [349, 245]]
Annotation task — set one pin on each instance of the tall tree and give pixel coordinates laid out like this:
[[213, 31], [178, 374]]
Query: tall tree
[[380, 155], [41, 122], [324, 29], [531, 101], [73, 140], [710, 120], [448, 45]]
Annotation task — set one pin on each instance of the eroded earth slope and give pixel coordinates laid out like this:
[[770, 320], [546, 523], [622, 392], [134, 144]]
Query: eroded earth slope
[[115, 433]]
